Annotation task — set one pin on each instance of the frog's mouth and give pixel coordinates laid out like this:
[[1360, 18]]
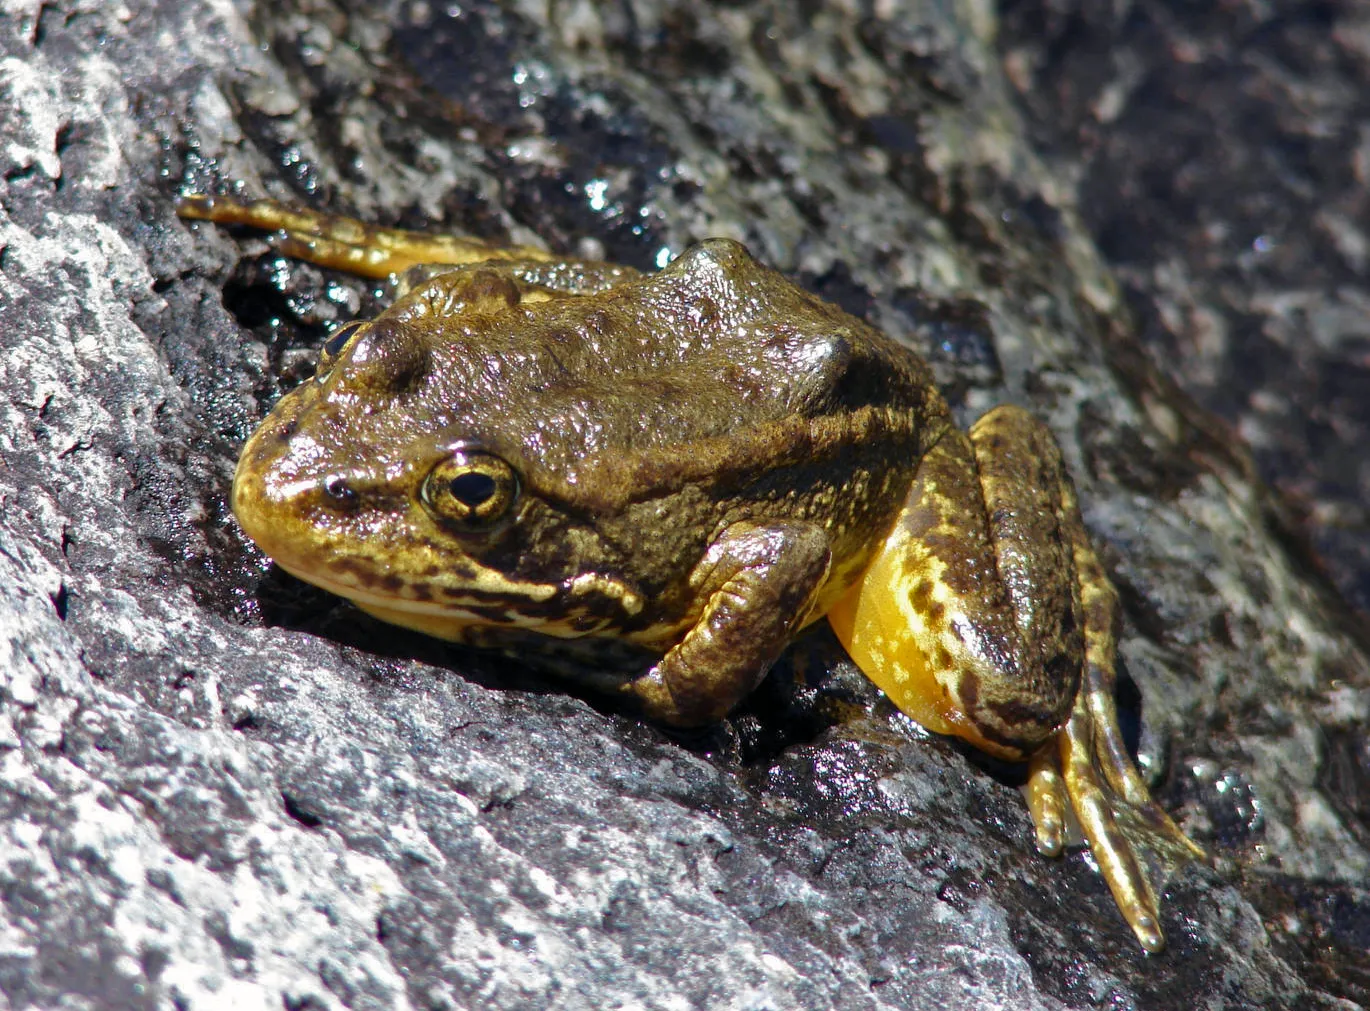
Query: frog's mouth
[[530, 607], [480, 597], [451, 617], [486, 598]]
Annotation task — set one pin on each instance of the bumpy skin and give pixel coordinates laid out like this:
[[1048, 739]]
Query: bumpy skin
[[678, 471]]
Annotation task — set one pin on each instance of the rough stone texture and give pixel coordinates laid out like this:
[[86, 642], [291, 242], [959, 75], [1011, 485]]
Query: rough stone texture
[[222, 789], [1221, 155]]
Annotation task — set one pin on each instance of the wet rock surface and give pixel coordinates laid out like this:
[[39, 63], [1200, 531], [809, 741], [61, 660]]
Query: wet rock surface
[[221, 788]]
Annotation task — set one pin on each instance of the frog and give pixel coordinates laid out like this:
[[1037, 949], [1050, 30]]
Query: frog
[[663, 477]]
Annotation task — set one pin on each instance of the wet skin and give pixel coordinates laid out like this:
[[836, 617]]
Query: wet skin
[[670, 475]]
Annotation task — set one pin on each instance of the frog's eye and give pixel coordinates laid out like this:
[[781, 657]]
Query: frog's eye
[[471, 490], [333, 347]]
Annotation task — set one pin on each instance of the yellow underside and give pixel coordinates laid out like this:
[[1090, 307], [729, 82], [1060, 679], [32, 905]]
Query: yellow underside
[[891, 642]]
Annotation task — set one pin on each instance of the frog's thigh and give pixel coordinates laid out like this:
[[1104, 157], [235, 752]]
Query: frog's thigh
[[968, 616], [760, 583], [345, 243]]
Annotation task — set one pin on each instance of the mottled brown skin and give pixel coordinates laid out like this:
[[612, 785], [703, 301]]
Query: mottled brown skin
[[686, 468]]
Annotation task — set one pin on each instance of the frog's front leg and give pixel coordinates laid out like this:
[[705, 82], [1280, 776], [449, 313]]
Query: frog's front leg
[[759, 584], [347, 244], [987, 615]]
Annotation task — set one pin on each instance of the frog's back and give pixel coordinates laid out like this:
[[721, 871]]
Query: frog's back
[[713, 346]]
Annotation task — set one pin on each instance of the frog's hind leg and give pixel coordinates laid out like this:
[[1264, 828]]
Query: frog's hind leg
[[1090, 767], [966, 617], [1090, 760], [345, 243], [987, 615]]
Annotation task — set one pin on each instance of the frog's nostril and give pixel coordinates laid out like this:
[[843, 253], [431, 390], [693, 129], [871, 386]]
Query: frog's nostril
[[341, 495], [282, 433]]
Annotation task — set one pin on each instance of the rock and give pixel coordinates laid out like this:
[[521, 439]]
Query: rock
[[223, 789], [1223, 164]]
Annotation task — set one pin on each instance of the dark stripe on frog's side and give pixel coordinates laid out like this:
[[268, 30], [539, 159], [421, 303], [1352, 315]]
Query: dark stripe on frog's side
[[606, 484]]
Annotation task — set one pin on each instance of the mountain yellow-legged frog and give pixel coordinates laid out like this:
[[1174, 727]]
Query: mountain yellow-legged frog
[[680, 470]]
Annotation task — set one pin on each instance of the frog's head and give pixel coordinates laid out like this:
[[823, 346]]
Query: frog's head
[[408, 477]]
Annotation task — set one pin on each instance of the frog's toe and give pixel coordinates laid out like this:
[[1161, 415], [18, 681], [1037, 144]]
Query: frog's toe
[[1046, 799], [1095, 805]]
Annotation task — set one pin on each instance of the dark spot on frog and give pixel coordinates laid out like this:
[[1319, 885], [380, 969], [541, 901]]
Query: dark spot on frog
[[281, 434], [704, 311], [466, 593], [364, 574], [598, 322], [1018, 713], [944, 659], [741, 380], [968, 683], [1060, 669], [419, 591], [1006, 739]]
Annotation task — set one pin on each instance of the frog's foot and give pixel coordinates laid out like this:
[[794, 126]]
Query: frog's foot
[[345, 243], [1069, 772], [1115, 812], [1090, 767]]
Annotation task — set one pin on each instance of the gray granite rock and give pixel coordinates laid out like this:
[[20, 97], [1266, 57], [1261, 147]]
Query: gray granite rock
[[222, 789], [1222, 157]]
